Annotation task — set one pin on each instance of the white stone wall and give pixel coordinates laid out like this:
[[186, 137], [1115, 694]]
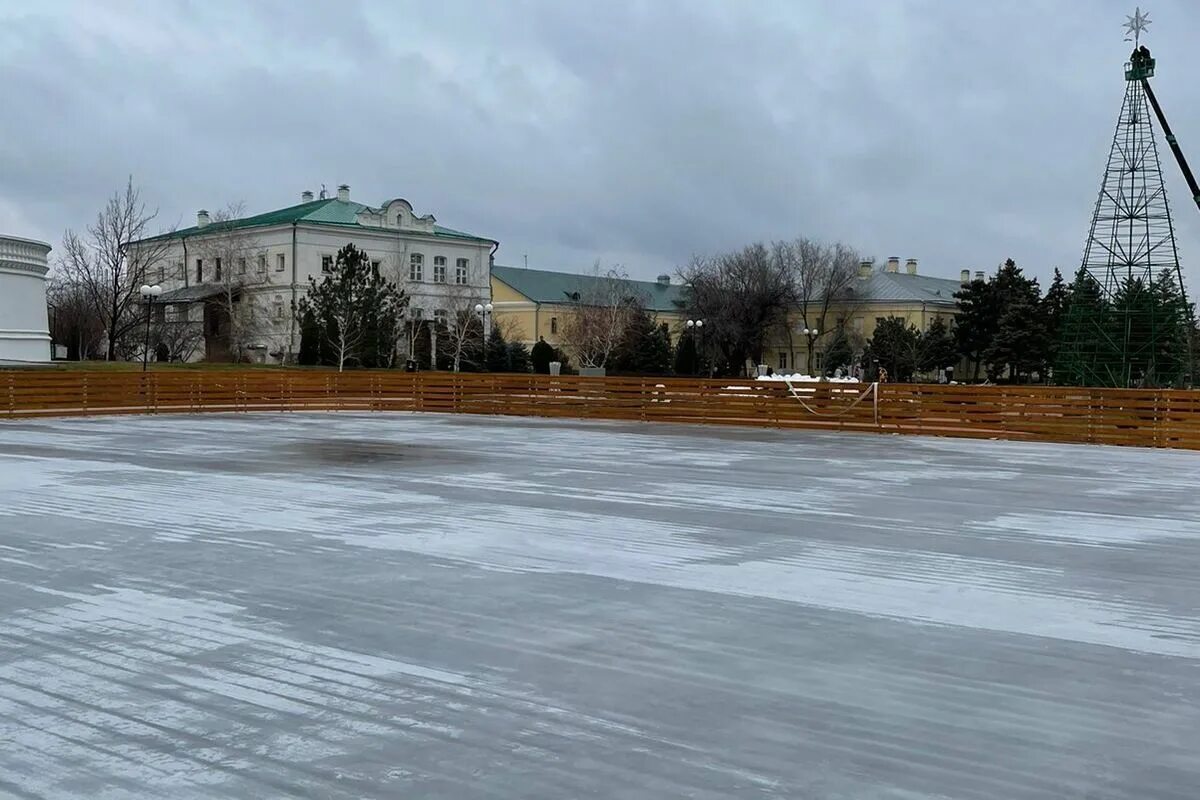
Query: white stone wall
[[391, 247], [24, 322]]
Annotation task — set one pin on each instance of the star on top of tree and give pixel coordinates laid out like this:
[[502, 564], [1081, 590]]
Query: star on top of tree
[[1136, 24]]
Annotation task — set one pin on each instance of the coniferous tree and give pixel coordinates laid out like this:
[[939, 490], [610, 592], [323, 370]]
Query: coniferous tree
[[894, 346], [310, 339], [1020, 345], [1173, 318], [975, 325], [644, 348], [1055, 305], [937, 348], [540, 357], [496, 351], [687, 360], [353, 305], [839, 349], [518, 357]]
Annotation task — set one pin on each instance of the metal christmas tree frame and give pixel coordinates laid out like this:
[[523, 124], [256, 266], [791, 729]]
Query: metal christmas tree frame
[[1118, 332]]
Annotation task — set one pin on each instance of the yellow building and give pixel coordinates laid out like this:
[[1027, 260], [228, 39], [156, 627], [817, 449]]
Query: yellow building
[[890, 291], [532, 304]]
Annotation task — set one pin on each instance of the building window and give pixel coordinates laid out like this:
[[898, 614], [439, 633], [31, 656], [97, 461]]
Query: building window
[[262, 264], [460, 271], [327, 264], [199, 270], [160, 312], [162, 274], [439, 269], [857, 324], [783, 359], [241, 266], [417, 314], [416, 267], [217, 270], [554, 325], [277, 311], [280, 262], [375, 265], [441, 317]]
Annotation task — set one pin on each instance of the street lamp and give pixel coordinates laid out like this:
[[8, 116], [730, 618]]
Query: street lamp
[[484, 310], [148, 294], [698, 326], [810, 334]]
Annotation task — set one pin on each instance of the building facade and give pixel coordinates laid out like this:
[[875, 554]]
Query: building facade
[[24, 329], [892, 290], [533, 304], [259, 267]]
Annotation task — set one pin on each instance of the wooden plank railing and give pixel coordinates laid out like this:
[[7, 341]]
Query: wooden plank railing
[[1151, 418]]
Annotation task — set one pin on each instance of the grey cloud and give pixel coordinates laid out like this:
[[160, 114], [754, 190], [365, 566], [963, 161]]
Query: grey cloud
[[636, 132]]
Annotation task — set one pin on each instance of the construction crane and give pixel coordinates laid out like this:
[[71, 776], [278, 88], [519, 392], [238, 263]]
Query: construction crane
[[1141, 69]]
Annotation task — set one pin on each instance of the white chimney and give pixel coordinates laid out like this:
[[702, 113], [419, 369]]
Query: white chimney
[[201, 218], [344, 192], [865, 268], [306, 196], [910, 266], [893, 264], [979, 275], [965, 276]]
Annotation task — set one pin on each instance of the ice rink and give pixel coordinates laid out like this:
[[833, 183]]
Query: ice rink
[[371, 606]]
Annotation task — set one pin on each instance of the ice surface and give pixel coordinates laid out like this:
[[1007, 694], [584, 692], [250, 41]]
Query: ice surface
[[425, 606]]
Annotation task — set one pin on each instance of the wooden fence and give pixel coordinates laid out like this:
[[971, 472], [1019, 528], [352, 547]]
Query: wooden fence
[[1151, 418]]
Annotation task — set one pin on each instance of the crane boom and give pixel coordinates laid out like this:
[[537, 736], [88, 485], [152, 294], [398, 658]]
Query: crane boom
[[1183, 165]]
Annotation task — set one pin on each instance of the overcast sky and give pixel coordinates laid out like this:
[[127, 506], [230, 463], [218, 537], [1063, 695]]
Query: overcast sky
[[639, 133]]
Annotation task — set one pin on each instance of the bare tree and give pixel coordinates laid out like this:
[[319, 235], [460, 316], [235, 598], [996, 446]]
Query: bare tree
[[178, 337], [741, 297], [73, 318], [464, 328], [822, 276], [236, 259], [105, 266], [602, 308]]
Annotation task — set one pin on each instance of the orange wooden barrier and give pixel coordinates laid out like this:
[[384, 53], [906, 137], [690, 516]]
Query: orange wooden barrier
[[1150, 418]]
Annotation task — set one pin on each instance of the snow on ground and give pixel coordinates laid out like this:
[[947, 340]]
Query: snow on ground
[[799, 377], [422, 606]]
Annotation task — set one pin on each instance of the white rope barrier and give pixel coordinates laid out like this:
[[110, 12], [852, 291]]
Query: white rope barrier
[[872, 391]]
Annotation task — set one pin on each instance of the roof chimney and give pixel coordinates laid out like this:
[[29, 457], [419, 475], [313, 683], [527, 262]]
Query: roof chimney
[[865, 268], [201, 218], [664, 280], [978, 274], [893, 264], [306, 196], [344, 192], [965, 276], [910, 266]]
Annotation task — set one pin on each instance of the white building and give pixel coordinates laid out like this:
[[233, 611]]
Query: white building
[[24, 333], [267, 260]]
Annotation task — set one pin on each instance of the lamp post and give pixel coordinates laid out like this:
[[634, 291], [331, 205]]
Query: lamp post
[[698, 326], [811, 335], [484, 310], [148, 294]]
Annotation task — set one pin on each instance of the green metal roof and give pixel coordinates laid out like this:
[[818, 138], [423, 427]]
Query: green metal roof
[[900, 287], [544, 286], [330, 211]]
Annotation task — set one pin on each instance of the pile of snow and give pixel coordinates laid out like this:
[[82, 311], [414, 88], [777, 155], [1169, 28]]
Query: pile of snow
[[801, 378]]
